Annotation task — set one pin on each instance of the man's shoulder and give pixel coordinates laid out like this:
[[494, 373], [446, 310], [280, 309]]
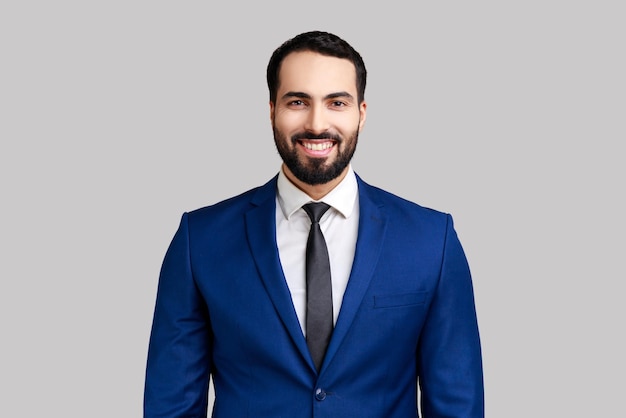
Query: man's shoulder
[[394, 202], [237, 204]]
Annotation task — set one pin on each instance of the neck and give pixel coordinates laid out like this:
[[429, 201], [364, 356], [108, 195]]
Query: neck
[[315, 191]]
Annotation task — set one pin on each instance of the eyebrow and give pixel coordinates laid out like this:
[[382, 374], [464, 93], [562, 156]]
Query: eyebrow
[[302, 95]]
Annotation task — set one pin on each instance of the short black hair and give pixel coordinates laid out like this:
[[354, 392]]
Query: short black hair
[[323, 43]]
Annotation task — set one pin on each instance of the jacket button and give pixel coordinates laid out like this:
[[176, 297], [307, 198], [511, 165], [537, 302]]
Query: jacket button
[[320, 395]]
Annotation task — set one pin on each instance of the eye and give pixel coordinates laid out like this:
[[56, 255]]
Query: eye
[[337, 103], [296, 103]]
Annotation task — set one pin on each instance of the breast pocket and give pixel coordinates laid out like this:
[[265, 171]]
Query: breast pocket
[[399, 300]]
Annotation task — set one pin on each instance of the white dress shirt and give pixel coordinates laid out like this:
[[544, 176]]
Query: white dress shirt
[[340, 228]]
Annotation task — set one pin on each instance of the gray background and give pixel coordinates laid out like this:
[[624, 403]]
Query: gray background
[[117, 116]]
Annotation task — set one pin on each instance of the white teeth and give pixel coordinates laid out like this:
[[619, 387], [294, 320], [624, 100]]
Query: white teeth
[[317, 146]]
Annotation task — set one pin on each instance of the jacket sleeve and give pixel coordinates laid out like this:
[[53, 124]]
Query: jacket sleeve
[[449, 356], [179, 353]]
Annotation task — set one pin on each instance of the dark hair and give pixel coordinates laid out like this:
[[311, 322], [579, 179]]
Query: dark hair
[[323, 43]]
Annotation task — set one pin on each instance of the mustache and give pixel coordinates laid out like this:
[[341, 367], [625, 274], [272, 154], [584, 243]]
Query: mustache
[[312, 136]]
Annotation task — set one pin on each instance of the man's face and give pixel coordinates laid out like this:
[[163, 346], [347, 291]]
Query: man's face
[[316, 118]]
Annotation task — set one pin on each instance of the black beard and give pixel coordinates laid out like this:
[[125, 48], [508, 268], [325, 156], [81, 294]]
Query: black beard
[[313, 171]]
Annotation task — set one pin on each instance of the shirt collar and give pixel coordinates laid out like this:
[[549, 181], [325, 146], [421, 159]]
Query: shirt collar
[[342, 197]]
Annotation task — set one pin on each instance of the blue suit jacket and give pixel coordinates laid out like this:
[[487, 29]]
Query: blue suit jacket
[[224, 309]]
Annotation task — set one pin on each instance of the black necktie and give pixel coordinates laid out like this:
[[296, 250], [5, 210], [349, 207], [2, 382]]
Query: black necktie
[[319, 299]]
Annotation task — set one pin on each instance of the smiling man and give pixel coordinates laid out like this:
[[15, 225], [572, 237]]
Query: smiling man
[[316, 294]]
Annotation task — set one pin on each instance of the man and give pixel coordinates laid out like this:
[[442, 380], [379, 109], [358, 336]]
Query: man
[[235, 302]]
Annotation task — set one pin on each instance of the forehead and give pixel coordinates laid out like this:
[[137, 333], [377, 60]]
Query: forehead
[[311, 72]]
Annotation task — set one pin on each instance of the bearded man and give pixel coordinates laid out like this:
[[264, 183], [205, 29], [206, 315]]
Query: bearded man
[[316, 294]]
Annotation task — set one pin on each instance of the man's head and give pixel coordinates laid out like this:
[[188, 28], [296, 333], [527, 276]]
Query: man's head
[[317, 107]]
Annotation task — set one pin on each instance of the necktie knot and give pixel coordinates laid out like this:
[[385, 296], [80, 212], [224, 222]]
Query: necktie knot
[[316, 210]]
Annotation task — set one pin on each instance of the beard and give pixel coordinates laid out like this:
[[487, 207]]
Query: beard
[[310, 170]]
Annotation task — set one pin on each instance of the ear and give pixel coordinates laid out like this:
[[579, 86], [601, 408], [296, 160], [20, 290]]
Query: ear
[[272, 109], [362, 114]]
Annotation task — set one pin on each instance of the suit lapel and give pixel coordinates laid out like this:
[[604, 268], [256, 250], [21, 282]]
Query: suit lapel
[[372, 224], [261, 231]]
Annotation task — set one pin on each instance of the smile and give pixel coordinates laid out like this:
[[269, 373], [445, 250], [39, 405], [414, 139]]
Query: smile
[[317, 146]]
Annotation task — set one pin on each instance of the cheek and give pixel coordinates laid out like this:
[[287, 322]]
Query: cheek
[[347, 125], [288, 122]]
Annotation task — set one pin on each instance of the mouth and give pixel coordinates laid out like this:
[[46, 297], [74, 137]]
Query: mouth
[[318, 148], [317, 145]]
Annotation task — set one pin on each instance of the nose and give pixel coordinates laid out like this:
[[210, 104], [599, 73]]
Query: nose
[[317, 120]]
